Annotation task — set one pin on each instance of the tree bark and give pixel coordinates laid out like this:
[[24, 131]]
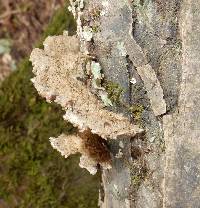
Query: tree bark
[[151, 49]]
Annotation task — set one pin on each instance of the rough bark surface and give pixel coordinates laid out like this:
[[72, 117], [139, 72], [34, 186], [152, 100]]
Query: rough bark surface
[[160, 168], [182, 129], [150, 48]]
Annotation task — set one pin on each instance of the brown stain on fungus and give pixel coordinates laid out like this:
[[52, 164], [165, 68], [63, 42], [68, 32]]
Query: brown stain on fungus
[[95, 146]]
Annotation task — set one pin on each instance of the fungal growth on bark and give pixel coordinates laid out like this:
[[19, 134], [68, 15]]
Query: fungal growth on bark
[[92, 147], [61, 72]]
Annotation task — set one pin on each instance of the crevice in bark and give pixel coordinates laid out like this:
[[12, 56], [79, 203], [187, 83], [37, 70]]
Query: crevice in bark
[[130, 75], [161, 43], [139, 168]]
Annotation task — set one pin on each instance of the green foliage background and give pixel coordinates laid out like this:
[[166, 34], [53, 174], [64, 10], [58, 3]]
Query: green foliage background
[[32, 174]]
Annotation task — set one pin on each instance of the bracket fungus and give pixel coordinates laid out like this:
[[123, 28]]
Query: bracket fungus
[[92, 147], [58, 70]]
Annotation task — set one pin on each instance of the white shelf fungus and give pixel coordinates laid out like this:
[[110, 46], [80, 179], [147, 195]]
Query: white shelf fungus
[[58, 71]]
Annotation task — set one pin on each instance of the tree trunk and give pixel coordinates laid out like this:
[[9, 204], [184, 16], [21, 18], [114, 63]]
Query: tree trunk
[[150, 48], [148, 51]]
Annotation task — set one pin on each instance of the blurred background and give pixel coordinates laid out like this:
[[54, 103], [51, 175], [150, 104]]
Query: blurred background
[[32, 173]]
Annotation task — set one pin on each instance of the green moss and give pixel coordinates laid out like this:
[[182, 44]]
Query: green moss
[[162, 146], [62, 20], [136, 180], [114, 91], [95, 29], [32, 173], [139, 173], [137, 111]]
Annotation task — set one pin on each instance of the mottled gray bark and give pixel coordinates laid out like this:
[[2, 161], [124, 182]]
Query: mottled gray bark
[[150, 49], [182, 128], [159, 43]]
